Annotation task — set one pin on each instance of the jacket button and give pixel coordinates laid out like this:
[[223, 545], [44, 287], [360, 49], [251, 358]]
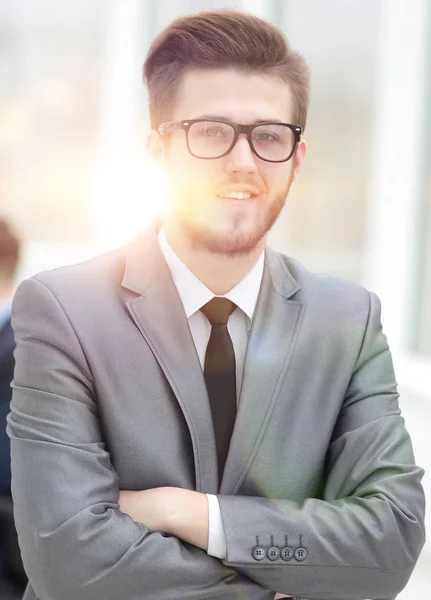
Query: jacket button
[[273, 553], [301, 554], [287, 553], [258, 553]]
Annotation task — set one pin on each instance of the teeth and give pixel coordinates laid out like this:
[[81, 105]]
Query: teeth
[[237, 195]]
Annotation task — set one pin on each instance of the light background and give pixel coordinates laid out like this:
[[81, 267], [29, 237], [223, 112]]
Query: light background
[[74, 178]]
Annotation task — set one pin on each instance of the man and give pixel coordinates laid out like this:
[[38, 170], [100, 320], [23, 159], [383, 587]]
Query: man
[[12, 575], [9, 253], [167, 444]]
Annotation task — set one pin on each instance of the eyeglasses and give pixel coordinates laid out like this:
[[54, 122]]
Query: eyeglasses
[[211, 138]]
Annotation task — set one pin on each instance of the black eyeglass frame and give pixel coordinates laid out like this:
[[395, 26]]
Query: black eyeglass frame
[[170, 126]]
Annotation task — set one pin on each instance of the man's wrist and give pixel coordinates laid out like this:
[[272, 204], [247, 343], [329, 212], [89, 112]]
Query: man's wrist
[[188, 518]]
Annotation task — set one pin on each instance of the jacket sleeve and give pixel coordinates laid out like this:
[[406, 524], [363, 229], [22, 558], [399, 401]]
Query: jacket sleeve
[[362, 537], [75, 542]]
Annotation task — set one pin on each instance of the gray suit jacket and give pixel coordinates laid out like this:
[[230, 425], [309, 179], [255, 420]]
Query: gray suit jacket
[[109, 394]]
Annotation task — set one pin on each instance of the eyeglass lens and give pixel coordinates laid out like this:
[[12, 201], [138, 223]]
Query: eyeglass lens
[[209, 139]]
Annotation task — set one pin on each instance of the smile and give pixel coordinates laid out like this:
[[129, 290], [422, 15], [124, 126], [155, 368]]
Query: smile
[[236, 195]]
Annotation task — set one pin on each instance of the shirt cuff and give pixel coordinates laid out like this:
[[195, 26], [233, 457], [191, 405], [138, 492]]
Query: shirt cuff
[[216, 536]]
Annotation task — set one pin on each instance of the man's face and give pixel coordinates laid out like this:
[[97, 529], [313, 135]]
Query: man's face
[[197, 188]]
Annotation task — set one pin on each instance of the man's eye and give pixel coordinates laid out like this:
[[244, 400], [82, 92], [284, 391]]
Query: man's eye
[[266, 137], [212, 132]]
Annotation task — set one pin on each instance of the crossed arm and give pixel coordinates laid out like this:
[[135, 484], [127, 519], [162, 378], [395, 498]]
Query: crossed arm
[[76, 543], [179, 512], [176, 511], [365, 534]]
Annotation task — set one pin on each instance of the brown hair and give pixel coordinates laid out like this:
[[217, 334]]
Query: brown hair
[[9, 250], [221, 38]]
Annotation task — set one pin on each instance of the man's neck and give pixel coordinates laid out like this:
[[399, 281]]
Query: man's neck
[[219, 273], [6, 291]]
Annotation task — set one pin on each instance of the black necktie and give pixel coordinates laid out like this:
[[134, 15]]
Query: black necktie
[[220, 378]]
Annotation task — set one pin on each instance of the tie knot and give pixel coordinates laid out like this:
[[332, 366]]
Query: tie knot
[[218, 310]]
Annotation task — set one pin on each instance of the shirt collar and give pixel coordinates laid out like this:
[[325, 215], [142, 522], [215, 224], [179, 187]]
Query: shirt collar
[[194, 294]]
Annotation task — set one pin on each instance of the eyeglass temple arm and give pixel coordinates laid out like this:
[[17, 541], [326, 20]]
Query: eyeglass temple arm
[[170, 126]]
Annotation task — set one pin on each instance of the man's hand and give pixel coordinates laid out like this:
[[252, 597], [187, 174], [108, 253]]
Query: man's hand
[[178, 512], [148, 507]]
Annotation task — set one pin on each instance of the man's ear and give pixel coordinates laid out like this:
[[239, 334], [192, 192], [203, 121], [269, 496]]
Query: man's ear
[[300, 153], [156, 146]]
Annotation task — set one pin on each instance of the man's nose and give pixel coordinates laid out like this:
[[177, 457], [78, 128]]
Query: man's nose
[[241, 158]]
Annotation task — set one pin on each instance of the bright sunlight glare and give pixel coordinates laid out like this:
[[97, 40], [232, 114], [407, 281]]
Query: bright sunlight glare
[[129, 193]]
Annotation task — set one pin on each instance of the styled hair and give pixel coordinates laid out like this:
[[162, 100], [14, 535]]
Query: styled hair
[[9, 250], [221, 39]]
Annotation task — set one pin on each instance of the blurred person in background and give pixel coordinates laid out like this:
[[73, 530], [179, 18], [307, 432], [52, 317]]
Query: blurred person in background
[[9, 255], [12, 575], [195, 415]]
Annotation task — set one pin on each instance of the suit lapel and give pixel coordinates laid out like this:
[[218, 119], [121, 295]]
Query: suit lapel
[[272, 338], [159, 314]]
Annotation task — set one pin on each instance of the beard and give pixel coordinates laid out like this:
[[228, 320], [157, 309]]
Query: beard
[[235, 242]]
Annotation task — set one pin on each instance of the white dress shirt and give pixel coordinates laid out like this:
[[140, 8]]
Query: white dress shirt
[[194, 295]]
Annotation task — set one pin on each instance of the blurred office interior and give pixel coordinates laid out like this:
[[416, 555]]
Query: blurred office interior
[[75, 179]]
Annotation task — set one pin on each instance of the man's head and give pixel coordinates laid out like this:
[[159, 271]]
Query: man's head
[[9, 253], [234, 68]]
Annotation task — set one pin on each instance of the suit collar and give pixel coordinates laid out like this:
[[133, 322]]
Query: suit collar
[[195, 294], [145, 262]]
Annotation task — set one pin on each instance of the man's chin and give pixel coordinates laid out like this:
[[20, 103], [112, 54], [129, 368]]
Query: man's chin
[[235, 237], [224, 243]]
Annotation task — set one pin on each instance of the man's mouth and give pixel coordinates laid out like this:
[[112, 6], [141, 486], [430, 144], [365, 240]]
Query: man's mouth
[[238, 193]]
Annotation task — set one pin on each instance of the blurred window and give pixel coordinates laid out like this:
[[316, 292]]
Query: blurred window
[[325, 219], [424, 322], [49, 98]]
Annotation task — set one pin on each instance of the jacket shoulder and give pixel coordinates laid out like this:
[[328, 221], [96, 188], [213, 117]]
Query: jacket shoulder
[[101, 273], [324, 289]]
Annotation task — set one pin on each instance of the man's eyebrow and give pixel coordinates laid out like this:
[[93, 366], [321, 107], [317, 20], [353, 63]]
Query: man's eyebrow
[[221, 118]]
